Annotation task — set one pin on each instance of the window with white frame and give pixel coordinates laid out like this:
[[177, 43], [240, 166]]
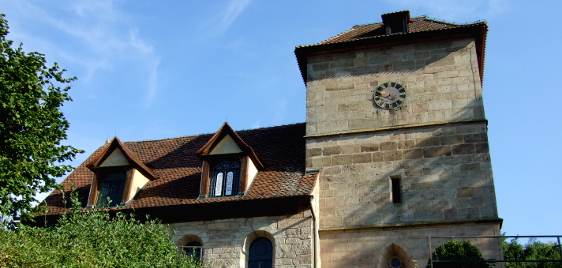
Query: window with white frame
[[225, 179]]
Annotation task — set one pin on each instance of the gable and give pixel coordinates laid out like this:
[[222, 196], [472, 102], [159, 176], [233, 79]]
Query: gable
[[116, 158], [226, 146]]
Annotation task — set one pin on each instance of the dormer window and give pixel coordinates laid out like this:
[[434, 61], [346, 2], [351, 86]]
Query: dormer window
[[229, 165], [396, 22], [225, 179], [118, 176]]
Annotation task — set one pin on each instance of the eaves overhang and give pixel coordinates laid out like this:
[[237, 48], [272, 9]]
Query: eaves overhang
[[206, 211]]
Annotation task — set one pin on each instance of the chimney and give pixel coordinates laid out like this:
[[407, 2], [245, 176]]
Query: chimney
[[396, 22]]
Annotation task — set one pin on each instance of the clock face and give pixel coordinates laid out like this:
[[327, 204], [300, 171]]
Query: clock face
[[389, 95]]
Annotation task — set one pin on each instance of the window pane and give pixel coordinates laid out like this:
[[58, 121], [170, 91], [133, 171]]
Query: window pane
[[194, 249], [221, 186], [111, 187], [261, 253], [229, 178], [218, 185]]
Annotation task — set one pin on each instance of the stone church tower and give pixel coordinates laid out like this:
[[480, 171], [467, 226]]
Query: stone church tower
[[395, 126], [394, 149]]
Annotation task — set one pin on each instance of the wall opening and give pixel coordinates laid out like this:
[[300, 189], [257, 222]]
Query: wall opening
[[259, 249], [396, 195], [191, 245]]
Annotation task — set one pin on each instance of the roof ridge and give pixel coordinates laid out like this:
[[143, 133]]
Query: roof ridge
[[453, 23], [358, 26], [201, 134], [278, 126], [380, 22]]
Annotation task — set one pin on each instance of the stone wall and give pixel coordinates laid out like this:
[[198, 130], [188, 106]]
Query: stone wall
[[445, 175], [441, 79], [374, 247], [226, 242]]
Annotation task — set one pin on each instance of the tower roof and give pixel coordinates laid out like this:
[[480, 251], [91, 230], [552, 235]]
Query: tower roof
[[376, 34]]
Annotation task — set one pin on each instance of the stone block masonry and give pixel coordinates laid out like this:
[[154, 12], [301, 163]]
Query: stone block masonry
[[226, 242], [444, 171], [441, 80], [374, 247]]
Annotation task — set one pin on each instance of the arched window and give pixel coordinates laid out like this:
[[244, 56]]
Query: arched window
[[111, 187], [194, 249], [395, 262], [395, 256], [261, 254], [225, 178]]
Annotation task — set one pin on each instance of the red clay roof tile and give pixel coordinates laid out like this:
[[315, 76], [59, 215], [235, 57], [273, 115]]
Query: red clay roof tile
[[178, 168], [375, 30]]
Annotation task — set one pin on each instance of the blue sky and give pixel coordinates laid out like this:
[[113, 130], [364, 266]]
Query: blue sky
[[152, 70]]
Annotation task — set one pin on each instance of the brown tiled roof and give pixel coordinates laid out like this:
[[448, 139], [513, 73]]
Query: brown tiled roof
[[377, 30], [281, 150]]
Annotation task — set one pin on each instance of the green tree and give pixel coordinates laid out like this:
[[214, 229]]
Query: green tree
[[457, 250], [31, 128], [533, 250]]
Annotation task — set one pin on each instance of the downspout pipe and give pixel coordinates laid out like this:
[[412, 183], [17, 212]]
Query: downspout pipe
[[314, 232]]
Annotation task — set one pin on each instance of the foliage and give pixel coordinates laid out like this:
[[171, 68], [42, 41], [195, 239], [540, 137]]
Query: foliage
[[533, 250], [31, 127], [92, 238], [458, 250]]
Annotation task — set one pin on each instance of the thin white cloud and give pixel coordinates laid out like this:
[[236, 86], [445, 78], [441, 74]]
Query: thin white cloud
[[152, 82], [146, 52], [232, 12], [219, 24], [102, 36], [138, 43], [102, 9]]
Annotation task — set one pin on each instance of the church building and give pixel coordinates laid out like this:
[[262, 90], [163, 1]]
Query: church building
[[394, 149]]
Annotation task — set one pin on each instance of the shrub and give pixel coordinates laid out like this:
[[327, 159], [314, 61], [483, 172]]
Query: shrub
[[457, 250], [92, 239], [533, 250]]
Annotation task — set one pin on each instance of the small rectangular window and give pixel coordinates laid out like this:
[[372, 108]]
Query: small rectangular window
[[396, 190]]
